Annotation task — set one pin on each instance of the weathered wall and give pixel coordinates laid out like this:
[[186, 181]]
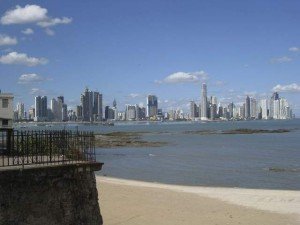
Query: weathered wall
[[64, 195]]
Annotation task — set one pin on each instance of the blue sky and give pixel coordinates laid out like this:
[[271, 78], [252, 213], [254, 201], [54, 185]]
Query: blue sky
[[128, 49]]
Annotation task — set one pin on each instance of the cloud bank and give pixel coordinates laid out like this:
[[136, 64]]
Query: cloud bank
[[287, 88], [22, 59], [32, 14], [30, 78]]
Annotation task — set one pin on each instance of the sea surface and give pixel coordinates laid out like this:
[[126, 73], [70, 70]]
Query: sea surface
[[263, 161]]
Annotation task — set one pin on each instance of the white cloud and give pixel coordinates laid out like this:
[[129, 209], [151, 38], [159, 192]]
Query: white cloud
[[21, 59], [30, 78], [287, 88], [294, 49], [27, 14], [54, 21], [183, 77], [283, 59], [250, 93], [7, 40], [37, 91], [28, 31], [32, 14], [49, 32], [134, 95]]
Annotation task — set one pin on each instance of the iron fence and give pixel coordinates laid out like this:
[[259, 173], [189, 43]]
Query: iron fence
[[45, 147]]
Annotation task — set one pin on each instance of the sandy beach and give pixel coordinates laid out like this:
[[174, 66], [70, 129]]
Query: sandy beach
[[141, 203]]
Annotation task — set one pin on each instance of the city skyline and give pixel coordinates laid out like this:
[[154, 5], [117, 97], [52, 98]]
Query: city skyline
[[210, 108], [130, 50]]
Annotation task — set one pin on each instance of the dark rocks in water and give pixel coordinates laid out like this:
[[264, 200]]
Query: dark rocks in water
[[236, 131], [254, 131], [278, 169], [124, 139]]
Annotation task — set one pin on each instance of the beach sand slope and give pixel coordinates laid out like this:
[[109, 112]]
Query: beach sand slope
[[141, 203]]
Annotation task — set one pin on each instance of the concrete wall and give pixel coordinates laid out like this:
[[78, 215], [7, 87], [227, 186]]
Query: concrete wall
[[61, 195]]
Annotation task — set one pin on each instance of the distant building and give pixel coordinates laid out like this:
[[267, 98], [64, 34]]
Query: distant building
[[194, 110], [230, 110], [213, 111], [109, 113], [264, 109], [87, 105], [31, 113], [56, 108], [247, 108], [131, 112], [253, 108], [152, 106], [20, 111], [6, 110], [79, 112], [64, 112], [275, 96], [97, 107], [41, 110], [204, 104]]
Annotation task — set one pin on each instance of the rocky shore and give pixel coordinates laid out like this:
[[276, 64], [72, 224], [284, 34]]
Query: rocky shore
[[124, 139]]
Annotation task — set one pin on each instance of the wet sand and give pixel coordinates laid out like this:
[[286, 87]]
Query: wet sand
[[133, 202]]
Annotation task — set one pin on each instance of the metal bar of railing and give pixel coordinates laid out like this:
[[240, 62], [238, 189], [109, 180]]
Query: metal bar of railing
[[45, 147]]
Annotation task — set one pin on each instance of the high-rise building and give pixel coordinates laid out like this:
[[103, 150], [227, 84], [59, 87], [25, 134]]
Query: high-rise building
[[130, 112], [79, 112], [264, 109], [193, 110], [213, 111], [21, 111], [152, 106], [64, 112], [87, 105], [275, 96], [204, 105], [56, 108], [213, 100], [230, 110], [61, 98], [247, 108], [97, 107], [41, 110], [253, 108], [276, 114]]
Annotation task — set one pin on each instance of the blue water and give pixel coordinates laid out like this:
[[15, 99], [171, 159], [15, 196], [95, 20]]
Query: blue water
[[207, 160]]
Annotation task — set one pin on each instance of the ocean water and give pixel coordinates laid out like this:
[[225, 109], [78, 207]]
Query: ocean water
[[238, 160], [210, 160]]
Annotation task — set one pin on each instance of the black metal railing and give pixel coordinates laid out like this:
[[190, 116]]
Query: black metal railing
[[45, 147]]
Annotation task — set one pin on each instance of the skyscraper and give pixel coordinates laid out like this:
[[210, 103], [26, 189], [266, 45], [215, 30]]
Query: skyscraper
[[130, 112], [152, 106], [275, 96], [204, 102], [40, 108], [97, 107], [193, 110], [264, 109], [253, 108], [247, 108], [20, 110], [87, 105]]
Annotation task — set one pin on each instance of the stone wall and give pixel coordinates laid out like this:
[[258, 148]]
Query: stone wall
[[56, 195]]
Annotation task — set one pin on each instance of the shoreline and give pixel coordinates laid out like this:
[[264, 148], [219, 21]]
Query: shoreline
[[265, 204]]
